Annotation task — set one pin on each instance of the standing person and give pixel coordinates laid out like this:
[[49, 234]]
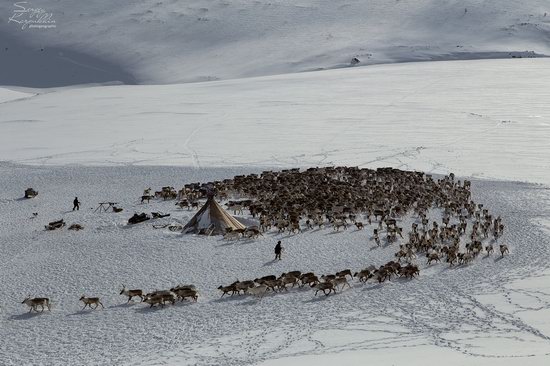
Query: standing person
[[76, 204], [278, 250]]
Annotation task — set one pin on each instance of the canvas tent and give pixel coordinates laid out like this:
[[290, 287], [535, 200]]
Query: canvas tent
[[212, 219]]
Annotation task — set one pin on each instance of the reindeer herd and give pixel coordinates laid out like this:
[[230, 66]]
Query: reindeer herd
[[327, 284], [293, 201]]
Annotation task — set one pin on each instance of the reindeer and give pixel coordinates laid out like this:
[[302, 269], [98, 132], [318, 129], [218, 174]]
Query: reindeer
[[328, 277], [243, 286], [324, 286], [273, 285], [338, 224], [504, 250], [401, 254], [295, 228], [88, 301], [363, 275], [382, 274], [253, 232], [452, 257], [184, 292], [340, 281], [265, 278], [465, 258], [410, 254], [376, 237], [183, 287], [297, 274], [409, 271], [232, 235], [432, 257], [309, 279], [319, 222], [160, 297], [146, 197], [131, 293], [287, 280], [37, 301], [155, 300], [228, 289], [258, 291], [344, 273]]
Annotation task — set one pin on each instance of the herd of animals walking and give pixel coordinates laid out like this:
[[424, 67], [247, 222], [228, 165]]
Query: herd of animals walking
[[293, 201]]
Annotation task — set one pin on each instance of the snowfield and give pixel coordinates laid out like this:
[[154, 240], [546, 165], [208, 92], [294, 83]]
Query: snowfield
[[485, 120], [7, 95], [492, 312], [488, 118], [170, 41]]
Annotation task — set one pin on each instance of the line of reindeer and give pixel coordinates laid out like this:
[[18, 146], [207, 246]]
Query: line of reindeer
[[158, 298], [328, 283]]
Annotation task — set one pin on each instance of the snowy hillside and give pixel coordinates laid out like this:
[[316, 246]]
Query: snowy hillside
[[487, 118], [154, 41]]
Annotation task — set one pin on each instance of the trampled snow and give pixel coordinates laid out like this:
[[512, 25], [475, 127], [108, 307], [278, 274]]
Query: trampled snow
[[491, 312]]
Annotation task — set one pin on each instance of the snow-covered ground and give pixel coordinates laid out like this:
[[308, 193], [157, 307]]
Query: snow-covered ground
[[171, 41], [485, 118], [8, 95], [492, 312]]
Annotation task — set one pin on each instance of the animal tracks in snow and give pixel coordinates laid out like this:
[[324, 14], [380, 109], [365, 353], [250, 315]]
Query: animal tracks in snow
[[490, 309]]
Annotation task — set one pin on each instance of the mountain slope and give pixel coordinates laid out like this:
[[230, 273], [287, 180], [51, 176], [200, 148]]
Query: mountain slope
[[171, 41]]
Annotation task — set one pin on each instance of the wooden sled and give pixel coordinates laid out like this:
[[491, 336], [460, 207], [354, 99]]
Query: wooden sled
[[55, 225], [137, 218]]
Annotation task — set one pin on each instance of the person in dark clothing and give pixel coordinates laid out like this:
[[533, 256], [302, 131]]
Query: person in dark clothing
[[76, 204], [278, 250]]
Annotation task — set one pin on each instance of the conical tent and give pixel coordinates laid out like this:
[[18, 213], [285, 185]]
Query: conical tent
[[212, 219]]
